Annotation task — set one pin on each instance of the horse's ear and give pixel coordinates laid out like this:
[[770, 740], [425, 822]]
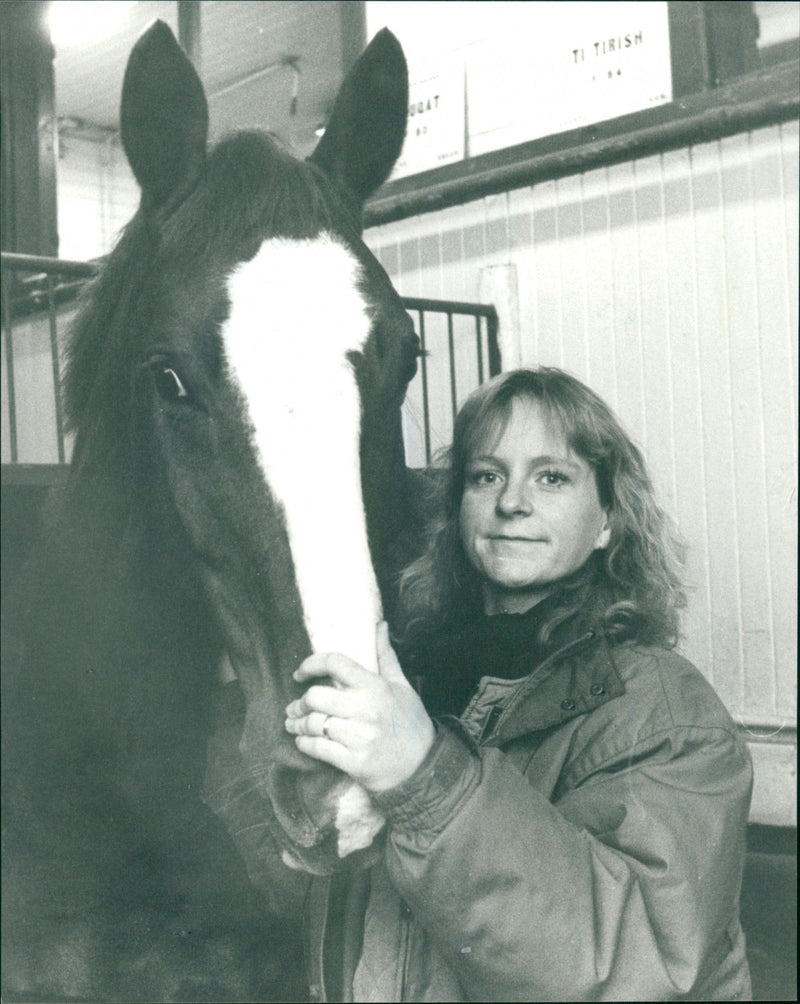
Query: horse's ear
[[366, 130], [163, 117]]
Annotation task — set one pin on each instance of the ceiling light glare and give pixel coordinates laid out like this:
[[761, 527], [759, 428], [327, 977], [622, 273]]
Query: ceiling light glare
[[81, 22]]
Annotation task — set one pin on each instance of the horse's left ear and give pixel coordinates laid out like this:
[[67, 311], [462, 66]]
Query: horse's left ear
[[368, 125], [163, 117]]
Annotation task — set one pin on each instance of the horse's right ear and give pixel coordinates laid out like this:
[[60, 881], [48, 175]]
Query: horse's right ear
[[163, 117], [367, 127]]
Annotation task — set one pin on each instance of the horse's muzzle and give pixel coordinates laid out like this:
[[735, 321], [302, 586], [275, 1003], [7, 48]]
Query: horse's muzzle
[[319, 822]]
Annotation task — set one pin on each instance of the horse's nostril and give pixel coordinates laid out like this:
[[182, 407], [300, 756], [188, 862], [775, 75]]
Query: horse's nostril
[[302, 804], [310, 808]]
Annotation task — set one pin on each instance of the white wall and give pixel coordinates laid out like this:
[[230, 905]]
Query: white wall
[[97, 195], [670, 285]]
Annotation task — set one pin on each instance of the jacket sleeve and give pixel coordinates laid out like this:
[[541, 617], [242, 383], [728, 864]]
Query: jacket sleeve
[[623, 888]]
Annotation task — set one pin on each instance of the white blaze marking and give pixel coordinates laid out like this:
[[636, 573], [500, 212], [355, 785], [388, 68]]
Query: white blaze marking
[[296, 311]]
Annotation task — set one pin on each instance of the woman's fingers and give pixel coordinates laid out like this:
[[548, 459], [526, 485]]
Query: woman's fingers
[[388, 664], [338, 667], [338, 730], [326, 749], [324, 699], [350, 682], [314, 724], [372, 726]]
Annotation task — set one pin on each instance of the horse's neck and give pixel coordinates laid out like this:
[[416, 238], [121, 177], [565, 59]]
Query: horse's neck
[[102, 582], [390, 506]]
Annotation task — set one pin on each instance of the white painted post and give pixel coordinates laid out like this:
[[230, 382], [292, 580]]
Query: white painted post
[[498, 286]]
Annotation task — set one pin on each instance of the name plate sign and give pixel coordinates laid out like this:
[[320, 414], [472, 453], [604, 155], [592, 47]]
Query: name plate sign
[[435, 134], [576, 64], [489, 75]]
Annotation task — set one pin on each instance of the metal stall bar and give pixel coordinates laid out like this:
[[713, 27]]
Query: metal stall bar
[[424, 376], [483, 314], [479, 344], [39, 264], [454, 306], [52, 282], [477, 310], [492, 341], [451, 351], [48, 283], [51, 310], [10, 389]]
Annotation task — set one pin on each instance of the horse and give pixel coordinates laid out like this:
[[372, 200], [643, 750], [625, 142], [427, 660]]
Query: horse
[[237, 498]]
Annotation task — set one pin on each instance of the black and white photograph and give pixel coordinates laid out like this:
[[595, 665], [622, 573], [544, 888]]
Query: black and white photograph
[[399, 420]]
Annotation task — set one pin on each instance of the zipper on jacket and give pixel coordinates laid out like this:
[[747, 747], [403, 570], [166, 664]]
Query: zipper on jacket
[[406, 917]]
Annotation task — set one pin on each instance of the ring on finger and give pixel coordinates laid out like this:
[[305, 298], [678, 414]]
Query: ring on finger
[[325, 726]]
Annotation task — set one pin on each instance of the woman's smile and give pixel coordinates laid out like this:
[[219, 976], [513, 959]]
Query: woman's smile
[[516, 539], [514, 545]]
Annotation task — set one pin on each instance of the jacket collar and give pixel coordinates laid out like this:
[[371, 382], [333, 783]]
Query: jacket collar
[[576, 679]]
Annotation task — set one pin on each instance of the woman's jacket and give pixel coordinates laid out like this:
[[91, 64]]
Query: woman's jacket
[[578, 834]]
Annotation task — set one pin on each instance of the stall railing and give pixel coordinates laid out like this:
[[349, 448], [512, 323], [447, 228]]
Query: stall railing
[[459, 341]]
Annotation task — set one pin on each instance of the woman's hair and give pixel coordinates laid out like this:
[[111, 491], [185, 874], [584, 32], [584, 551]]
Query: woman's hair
[[632, 588]]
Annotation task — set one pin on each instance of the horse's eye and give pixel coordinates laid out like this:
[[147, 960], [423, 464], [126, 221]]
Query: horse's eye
[[169, 384]]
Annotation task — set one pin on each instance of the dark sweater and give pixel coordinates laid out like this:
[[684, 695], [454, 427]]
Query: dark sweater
[[449, 667]]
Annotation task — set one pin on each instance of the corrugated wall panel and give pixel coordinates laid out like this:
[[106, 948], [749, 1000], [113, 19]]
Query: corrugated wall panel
[[670, 285], [654, 326], [714, 448], [596, 267], [776, 269], [741, 314]]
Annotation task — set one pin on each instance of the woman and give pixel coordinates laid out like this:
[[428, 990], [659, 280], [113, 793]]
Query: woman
[[567, 803]]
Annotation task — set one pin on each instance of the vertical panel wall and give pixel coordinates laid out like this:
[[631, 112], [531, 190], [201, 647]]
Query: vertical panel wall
[[97, 195], [670, 285]]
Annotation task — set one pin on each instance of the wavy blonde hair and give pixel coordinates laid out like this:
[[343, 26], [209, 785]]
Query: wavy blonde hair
[[632, 589]]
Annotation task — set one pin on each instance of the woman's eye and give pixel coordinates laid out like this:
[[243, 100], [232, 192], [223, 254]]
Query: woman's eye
[[553, 479], [484, 477], [169, 384]]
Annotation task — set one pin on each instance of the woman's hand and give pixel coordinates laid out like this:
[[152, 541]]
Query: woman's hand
[[373, 726]]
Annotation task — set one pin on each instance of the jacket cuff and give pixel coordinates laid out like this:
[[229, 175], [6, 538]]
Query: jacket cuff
[[428, 799]]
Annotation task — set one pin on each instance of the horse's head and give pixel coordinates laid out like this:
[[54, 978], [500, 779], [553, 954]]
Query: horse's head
[[251, 355]]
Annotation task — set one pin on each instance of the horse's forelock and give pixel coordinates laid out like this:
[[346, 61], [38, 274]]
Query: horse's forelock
[[252, 190]]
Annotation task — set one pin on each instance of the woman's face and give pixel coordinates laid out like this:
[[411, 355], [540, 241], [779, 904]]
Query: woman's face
[[530, 512]]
